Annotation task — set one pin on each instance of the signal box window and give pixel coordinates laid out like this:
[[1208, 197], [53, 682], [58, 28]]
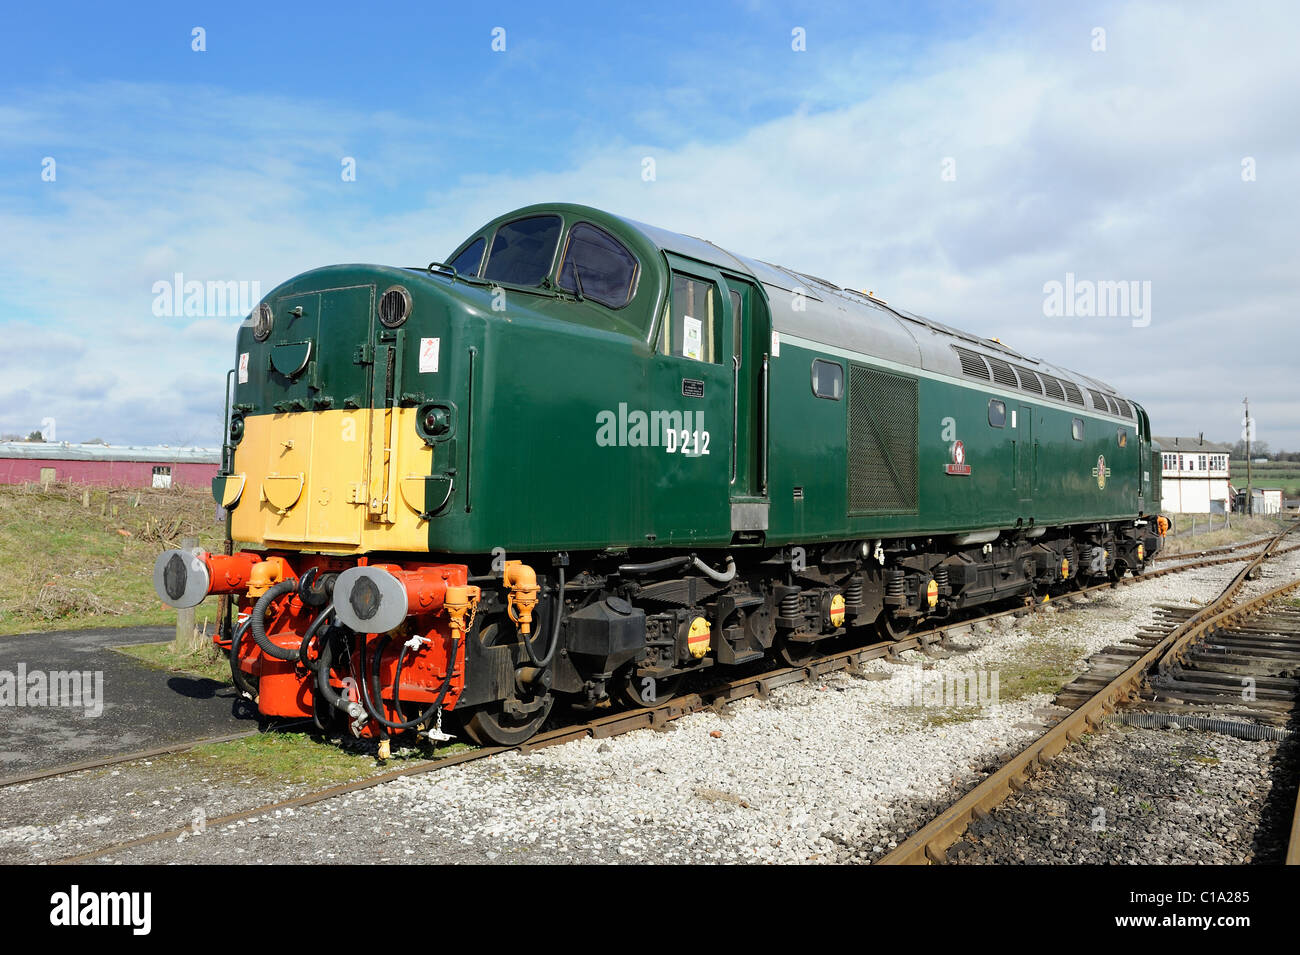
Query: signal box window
[[523, 250], [827, 379], [467, 262], [597, 266], [997, 413], [1076, 428], [691, 321]]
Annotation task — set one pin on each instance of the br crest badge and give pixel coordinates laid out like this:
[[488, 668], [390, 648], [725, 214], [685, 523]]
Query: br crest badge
[[1101, 472], [958, 465]]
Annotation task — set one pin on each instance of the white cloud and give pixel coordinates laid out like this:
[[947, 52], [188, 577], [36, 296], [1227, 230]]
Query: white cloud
[[1123, 165]]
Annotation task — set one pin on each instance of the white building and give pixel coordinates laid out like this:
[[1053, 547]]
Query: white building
[[1194, 476]]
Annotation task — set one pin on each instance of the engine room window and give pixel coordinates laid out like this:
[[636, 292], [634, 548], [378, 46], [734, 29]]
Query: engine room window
[[1076, 428], [467, 262], [600, 263], [997, 413], [827, 379], [523, 250], [1122, 438], [691, 321]]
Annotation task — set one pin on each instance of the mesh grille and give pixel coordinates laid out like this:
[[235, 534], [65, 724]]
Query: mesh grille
[[972, 364], [1029, 380], [1003, 374], [882, 441], [1098, 400], [1072, 392], [1053, 387], [1124, 408]]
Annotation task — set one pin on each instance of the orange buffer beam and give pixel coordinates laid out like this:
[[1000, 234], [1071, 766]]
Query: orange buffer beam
[[378, 597]]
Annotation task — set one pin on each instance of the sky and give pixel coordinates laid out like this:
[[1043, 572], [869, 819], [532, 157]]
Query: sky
[[985, 165]]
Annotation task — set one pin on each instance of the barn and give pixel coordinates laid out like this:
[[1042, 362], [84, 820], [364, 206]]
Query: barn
[[23, 462]]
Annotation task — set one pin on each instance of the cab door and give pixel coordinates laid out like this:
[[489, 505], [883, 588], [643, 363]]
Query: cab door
[[750, 374], [685, 435]]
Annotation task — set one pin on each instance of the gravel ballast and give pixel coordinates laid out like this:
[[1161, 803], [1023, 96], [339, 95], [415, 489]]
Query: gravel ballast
[[834, 771]]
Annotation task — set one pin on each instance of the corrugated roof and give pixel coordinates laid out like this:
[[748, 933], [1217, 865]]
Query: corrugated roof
[[103, 452]]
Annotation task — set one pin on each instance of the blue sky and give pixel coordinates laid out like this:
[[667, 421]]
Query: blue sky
[[1118, 164]]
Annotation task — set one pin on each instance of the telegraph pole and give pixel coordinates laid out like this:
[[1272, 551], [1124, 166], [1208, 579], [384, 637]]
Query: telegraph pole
[[1248, 428]]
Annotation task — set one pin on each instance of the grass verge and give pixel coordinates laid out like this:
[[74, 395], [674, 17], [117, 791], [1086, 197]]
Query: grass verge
[[74, 556]]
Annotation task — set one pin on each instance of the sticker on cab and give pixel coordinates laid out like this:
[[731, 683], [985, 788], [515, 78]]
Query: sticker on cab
[[692, 337], [243, 367], [429, 354]]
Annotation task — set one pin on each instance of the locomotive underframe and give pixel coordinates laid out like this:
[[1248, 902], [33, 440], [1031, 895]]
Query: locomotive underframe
[[629, 632]]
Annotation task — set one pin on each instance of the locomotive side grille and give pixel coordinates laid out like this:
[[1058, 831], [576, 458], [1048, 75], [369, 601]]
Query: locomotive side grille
[[1053, 387], [882, 441], [1028, 380], [1072, 392], [1003, 374], [972, 364], [1098, 400], [1124, 408]]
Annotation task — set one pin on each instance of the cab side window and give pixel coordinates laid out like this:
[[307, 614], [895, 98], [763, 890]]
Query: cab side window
[[692, 320], [523, 250], [597, 266], [467, 262]]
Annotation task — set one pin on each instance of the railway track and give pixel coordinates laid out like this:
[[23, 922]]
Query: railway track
[[1190, 668], [878, 650], [614, 724]]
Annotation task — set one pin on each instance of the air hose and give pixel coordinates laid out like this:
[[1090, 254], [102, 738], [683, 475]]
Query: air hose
[[323, 663], [555, 632], [311, 632], [236, 674], [376, 695], [257, 620]]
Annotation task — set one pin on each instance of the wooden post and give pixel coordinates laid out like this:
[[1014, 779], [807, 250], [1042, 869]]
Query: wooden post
[[185, 640]]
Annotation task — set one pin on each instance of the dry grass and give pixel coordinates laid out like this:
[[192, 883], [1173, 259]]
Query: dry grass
[[73, 556], [1243, 529]]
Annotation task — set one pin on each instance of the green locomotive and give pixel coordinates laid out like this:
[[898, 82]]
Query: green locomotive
[[586, 457]]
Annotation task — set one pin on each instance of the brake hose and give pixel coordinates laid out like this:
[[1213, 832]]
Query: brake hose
[[376, 693], [555, 631], [257, 620]]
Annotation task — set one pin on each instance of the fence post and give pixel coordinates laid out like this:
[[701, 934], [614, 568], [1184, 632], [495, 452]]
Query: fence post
[[185, 639]]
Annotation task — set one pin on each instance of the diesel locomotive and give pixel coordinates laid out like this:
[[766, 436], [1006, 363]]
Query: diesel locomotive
[[586, 457]]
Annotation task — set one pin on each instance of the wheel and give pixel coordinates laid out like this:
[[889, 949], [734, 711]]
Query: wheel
[[889, 628], [647, 691], [492, 724], [795, 653]]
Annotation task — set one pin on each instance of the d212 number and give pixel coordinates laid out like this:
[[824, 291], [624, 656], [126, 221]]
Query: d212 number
[[691, 443]]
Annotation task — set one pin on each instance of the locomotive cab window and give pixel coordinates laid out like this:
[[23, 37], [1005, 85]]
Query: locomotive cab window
[[467, 262], [692, 320], [997, 413], [598, 267], [827, 379], [523, 250], [1076, 428]]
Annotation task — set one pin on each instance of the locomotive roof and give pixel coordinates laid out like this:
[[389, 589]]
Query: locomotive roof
[[854, 320], [844, 318]]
